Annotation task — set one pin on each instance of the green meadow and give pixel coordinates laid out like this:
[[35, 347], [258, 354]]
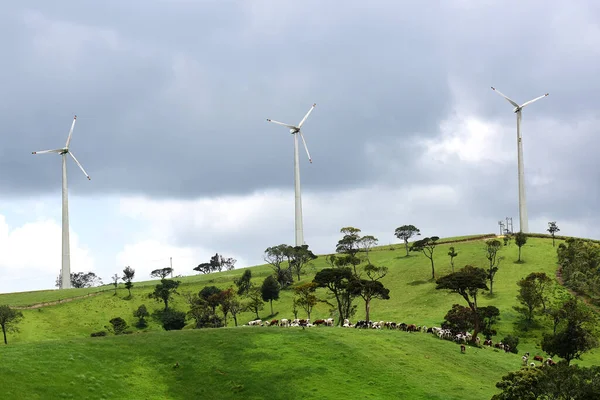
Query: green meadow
[[55, 348]]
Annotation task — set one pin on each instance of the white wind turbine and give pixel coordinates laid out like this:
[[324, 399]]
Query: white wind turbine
[[295, 130], [523, 222], [66, 252]]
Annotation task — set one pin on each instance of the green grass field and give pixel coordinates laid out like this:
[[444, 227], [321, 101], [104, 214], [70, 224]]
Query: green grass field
[[270, 362]]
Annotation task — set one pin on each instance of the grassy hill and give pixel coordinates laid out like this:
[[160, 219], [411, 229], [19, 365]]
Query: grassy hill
[[261, 362]]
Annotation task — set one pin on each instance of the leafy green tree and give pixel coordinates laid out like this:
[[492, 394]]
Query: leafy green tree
[[164, 291], [452, 253], [270, 290], [348, 247], [492, 246], [202, 310], [426, 246], [161, 273], [170, 319], [459, 318], [128, 274], [576, 335], [230, 304], [552, 228], [255, 302], [276, 257], [507, 238], [305, 297], [488, 316], [243, 283], [405, 232], [300, 257], [467, 282], [212, 296], [115, 278], [82, 280], [366, 243], [532, 294], [9, 319], [118, 326], [337, 281], [371, 288], [520, 240], [216, 264], [141, 313]]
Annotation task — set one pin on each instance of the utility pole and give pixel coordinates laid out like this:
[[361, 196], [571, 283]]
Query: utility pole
[[171, 261]]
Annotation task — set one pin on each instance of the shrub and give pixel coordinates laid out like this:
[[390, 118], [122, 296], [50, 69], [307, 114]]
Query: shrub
[[513, 342], [98, 334], [170, 319], [118, 325]]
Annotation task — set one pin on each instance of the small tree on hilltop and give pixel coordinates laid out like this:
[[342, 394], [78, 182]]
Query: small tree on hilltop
[[305, 297], [276, 257], [405, 232], [349, 246], [452, 254], [467, 282], [300, 256], [9, 319], [427, 246], [520, 240], [492, 248], [270, 290], [161, 273], [552, 228], [366, 243], [128, 274], [115, 278], [164, 291]]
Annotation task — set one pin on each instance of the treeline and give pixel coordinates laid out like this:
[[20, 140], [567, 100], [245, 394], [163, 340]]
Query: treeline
[[579, 262]]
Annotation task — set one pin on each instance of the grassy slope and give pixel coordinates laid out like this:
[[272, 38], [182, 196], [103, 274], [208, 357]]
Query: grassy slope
[[413, 300]]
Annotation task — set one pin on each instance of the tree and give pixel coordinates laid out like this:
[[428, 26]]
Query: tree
[[426, 246], [576, 336], [203, 306], [459, 319], [270, 290], [230, 304], [349, 246], [9, 319], [115, 278], [243, 283], [161, 273], [118, 326], [140, 314], [337, 281], [216, 263], [82, 280], [492, 248], [452, 254], [532, 293], [467, 282], [299, 257], [405, 232], [276, 256], [552, 228], [371, 288], [366, 243], [128, 274], [305, 297], [488, 316], [164, 291], [520, 240], [255, 303], [235, 307], [170, 319], [212, 296]]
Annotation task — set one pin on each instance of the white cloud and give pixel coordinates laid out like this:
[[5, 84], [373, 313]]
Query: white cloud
[[34, 250]]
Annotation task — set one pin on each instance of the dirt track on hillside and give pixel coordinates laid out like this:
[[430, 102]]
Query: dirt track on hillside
[[52, 303]]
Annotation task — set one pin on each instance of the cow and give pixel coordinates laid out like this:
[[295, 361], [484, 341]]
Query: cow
[[463, 348], [538, 358], [487, 342], [319, 322]]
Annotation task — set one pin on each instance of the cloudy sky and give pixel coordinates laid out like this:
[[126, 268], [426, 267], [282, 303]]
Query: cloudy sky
[[172, 97]]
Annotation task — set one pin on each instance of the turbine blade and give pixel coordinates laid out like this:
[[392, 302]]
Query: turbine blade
[[305, 146], [509, 100], [71, 132], [85, 173], [306, 116], [281, 123], [47, 151], [534, 100]]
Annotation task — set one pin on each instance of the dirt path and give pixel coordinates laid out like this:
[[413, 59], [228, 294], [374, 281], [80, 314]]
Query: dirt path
[[52, 303]]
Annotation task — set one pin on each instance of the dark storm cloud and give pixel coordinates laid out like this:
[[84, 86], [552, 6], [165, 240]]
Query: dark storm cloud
[[172, 96]]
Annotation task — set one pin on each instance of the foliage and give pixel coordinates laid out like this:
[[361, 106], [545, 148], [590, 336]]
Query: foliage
[[337, 281], [217, 263], [161, 273], [82, 280], [371, 288], [488, 316], [459, 319], [230, 304], [270, 290], [98, 334], [506, 239], [579, 262], [300, 256], [405, 232], [115, 278], [202, 310], [348, 247], [520, 241], [366, 243], [9, 319], [128, 275], [576, 332], [164, 291], [170, 319], [118, 326], [532, 293], [452, 253], [552, 228], [512, 342], [255, 302], [426, 246], [141, 313], [276, 256], [492, 246], [243, 283], [212, 296], [305, 296]]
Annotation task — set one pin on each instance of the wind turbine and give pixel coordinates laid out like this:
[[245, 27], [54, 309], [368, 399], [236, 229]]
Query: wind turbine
[[66, 253], [295, 130], [523, 222]]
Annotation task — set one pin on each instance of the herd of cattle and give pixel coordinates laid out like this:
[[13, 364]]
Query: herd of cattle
[[447, 334]]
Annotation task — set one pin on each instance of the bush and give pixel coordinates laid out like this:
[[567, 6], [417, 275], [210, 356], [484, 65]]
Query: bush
[[98, 334], [513, 342], [118, 325], [170, 319]]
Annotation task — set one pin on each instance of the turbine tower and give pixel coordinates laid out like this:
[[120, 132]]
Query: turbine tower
[[523, 221], [66, 252], [295, 130]]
